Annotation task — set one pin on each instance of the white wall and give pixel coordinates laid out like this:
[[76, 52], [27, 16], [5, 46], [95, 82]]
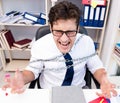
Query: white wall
[[111, 30], [0, 65]]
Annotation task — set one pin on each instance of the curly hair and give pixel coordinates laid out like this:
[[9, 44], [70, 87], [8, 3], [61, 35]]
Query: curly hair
[[64, 10]]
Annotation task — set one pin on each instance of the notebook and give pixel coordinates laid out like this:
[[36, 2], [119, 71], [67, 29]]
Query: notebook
[[68, 94]]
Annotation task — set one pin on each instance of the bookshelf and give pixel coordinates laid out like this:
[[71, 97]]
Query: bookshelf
[[100, 31], [20, 58], [44, 7]]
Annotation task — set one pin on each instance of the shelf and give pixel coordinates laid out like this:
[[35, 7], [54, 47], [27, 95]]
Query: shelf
[[116, 58], [98, 28], [9, 24]]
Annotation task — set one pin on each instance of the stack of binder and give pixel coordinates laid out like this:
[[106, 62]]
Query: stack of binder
[[11, 17], [93, 16], [37, 19], [23, 18]]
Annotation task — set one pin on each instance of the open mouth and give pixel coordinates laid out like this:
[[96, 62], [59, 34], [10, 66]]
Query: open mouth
[[64, 44]]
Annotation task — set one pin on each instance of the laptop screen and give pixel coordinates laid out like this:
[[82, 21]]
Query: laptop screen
[[68, 94]]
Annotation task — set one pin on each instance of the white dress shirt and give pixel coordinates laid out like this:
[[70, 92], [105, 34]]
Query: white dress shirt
[[49, 61]]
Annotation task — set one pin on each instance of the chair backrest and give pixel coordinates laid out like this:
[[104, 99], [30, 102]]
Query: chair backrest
[[42, 31]]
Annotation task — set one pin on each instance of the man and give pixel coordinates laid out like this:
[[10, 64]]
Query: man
[[61, 56]]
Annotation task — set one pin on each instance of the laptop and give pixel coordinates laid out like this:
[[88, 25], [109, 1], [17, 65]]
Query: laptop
[[68, 94]]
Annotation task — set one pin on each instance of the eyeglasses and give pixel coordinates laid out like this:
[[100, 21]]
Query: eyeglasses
[[69, 33]]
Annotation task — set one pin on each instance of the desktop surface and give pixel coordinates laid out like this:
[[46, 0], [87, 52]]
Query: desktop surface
[[29, 96], [47, 95]]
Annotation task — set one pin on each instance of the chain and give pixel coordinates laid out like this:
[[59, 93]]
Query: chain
[[79, 60], [57, 59]]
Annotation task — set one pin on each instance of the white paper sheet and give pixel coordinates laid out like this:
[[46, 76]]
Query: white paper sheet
[[29, 96]]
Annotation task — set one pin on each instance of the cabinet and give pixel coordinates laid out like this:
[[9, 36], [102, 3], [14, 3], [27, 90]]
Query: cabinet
[[99, 32]]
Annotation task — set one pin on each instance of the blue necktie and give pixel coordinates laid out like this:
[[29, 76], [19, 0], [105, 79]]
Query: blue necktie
[[70, 72]]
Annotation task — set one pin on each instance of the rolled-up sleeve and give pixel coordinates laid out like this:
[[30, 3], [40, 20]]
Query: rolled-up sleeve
[[93, 63]]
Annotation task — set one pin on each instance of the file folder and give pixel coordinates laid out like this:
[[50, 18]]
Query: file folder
[[30, 17], [42, 15], [99, 2], [91, 17], [96, 16], [81, 21], [34, 18], [102, 16], [87, 2], [86, 14], [40, 21], [11, 13]]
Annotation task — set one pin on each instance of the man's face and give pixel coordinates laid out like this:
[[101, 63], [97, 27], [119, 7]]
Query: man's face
[[64, 33]]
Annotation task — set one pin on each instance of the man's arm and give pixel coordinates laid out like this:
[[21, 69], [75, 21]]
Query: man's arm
[[101, 75], [106, 86], [28, 76]]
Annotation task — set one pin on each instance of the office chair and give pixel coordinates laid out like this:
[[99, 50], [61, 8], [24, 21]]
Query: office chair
[[42, 31]]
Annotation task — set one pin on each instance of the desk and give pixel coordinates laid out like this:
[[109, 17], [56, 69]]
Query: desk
[[29, 96], [43, 96]]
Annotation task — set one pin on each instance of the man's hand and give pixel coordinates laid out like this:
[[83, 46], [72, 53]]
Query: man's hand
[[108, 89], [16, 83]]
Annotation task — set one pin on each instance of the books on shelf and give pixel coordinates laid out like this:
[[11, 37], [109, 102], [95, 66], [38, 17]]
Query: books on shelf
[[8, 39], [2, 43], [10, 42], [22, 43], [117, 49], [117, 45]]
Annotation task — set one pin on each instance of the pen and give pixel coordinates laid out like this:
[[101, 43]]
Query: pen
[[101, 101]]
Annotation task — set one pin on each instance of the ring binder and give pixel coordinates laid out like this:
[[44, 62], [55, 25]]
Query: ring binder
[[102, 16], [90, 22], [35, 19], [86, 14], [96, 16]]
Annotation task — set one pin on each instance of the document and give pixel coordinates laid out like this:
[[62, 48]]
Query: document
[[91, 97]]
